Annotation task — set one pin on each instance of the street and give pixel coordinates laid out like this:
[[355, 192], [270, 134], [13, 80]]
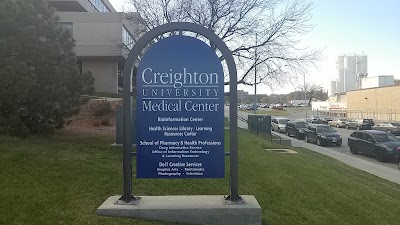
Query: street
[[387, 170]]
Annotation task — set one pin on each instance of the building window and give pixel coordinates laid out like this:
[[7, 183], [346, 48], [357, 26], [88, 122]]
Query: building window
[[99, 6], [68, 26], [127, 39]]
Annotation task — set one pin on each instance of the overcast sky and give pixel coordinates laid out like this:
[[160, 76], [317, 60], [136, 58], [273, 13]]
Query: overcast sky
[[347, 26]]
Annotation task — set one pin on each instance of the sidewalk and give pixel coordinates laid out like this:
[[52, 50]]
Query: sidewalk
[[389, 174]]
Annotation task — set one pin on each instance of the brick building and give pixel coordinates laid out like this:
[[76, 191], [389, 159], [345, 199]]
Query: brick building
[[380, 103]]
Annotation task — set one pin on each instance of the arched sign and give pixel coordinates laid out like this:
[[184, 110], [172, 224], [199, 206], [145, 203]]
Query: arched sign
[[140, 45], [180, 111]]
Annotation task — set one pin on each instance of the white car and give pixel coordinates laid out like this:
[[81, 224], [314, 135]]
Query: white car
[[278, 124]]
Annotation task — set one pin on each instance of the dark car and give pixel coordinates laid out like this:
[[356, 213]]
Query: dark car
[[326, 120], [382, 145], [322, 134], [360, 124], [397, 158], [296, 128]]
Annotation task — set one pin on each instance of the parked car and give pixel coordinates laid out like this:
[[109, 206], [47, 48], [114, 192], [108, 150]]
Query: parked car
[[360, 124], [314, 119], [326, 120], [390, 127], [296, 128], [382, 145], [251, 107], [340, 122], [276, 107], [278, 124], [397, 158], [322, 134]]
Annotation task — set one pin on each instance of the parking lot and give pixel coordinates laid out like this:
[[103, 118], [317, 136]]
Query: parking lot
[[387, 170]]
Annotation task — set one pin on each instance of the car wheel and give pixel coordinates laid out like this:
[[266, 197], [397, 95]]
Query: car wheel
[[380, 157], [337, 125], [389, 131], [358, 128], [306, 139], [297, 136], [353, 150], [287, 133], [319, 142], [347, 127]]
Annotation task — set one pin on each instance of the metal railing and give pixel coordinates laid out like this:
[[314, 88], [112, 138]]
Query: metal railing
[[377, 115]]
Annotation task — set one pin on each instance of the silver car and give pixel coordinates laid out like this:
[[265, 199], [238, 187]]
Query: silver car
[[340, 122], [390, 127], [278, 124]]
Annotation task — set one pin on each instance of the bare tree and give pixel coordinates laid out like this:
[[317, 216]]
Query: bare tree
[[272, 28], [314, 91]]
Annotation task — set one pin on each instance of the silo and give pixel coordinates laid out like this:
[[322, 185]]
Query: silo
[[362, 69], [362, 65], [350, 77], [332, 88], [340, 71]]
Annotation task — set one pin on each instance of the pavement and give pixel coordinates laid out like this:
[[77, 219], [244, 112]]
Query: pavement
[[373, 168]]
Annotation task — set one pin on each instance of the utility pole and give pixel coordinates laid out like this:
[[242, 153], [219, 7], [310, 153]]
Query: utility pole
[[305, 93], [255, 78]]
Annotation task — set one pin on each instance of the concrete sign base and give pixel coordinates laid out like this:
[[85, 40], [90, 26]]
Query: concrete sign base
[[190, 209]]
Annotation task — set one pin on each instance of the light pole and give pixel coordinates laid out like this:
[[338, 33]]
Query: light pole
[[255, 78], [305, 93]]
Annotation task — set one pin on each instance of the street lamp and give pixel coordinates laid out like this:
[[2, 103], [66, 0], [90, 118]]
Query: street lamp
[[305, 93], [255, 78]]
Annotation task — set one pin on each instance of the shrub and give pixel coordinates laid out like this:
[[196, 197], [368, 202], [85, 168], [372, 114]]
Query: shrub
[[101, 108]]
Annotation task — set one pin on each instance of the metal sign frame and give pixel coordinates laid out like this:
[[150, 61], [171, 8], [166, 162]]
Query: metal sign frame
[[127, 197]]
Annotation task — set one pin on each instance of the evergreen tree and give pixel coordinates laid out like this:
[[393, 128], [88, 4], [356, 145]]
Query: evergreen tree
[[40, 82]]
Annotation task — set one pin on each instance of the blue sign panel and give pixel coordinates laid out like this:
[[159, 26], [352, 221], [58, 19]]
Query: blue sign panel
[[180, 111]]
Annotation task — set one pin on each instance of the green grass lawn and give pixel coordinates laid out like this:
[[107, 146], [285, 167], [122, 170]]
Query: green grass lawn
[[64, 178]]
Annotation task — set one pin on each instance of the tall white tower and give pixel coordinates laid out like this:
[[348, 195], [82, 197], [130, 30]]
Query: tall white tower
[[362, 69], [340, 72], [351, 68]]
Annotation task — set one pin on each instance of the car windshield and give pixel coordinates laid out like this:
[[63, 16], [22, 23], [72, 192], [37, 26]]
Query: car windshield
[[383, 137], [301, 125], [283, 121], [396, 124], [325, 129]]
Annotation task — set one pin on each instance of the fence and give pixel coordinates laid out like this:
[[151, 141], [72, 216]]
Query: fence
[[377, 115], [259, 131]]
